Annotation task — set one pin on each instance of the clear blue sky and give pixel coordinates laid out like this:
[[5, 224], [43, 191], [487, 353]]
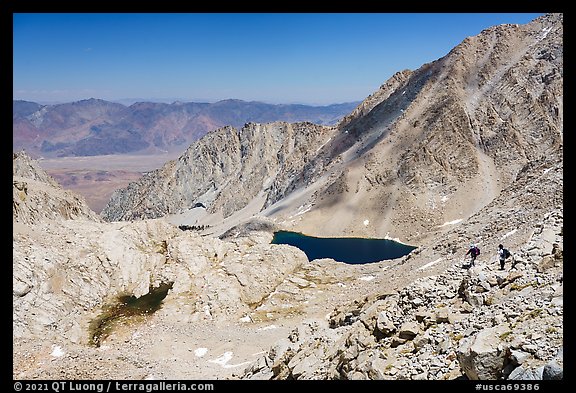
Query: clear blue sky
[[275, 58]]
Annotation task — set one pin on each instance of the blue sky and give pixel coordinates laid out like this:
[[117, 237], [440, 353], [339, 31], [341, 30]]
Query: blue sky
[[276, 58]]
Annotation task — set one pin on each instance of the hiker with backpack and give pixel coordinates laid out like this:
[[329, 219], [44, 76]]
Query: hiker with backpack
[[474, 251], [503, 254]]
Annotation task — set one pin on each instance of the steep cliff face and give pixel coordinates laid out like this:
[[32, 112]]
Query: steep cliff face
[[429, 147], [398, 80], [225, 170]]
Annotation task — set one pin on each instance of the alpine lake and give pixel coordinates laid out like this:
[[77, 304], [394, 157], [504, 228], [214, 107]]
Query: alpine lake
[[352, 250]]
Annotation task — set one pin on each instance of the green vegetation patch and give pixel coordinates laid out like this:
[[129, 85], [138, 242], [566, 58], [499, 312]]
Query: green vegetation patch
[[127, 309]]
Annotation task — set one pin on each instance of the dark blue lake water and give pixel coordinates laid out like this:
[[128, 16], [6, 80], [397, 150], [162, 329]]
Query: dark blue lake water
[[344, 249]]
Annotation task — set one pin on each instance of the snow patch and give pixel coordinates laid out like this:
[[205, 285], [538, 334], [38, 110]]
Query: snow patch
[[246, 319], [545, 32], [444, 198], [207, 310], [199, 352], [429, 264], [324, 144], [299, 211], [57, 351], [222, 360], [367, 278], [450, 223], [225, 358], [341, 284], [387, 237], [397, 239], [513, 231], [303, 211], [270, 327], [366, 222]]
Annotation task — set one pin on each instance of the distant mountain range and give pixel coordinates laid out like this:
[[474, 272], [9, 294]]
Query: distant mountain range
[[95, 127]]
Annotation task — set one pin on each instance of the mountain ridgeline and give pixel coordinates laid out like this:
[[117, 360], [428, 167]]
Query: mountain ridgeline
[[96, 127], [431, 146], [243, 163]]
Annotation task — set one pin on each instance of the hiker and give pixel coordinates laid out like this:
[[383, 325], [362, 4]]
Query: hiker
[[503, 254], [474, 252]]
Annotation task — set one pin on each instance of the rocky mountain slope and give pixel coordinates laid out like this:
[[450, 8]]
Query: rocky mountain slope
[[68, 271], [431, 147], [36, 196], [96, 127], [243, 163], [465, 149], [244, 304], [451, 320]]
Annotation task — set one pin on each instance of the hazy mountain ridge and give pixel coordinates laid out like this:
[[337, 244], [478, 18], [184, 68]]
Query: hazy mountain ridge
[[96, 127]]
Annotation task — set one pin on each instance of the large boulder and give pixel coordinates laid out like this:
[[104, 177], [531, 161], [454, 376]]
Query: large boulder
[[484, 355], [554, 369], [526, 374], [409, 330], [384, 324]]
